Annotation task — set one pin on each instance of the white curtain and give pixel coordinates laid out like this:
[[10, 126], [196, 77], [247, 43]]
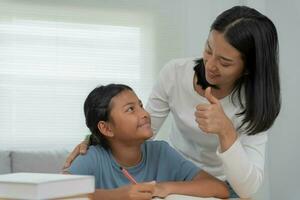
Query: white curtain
[[54, 52]]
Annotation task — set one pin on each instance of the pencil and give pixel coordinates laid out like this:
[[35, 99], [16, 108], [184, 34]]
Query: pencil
[[127, 175]]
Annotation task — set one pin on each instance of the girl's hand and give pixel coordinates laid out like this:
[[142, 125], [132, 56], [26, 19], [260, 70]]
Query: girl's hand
[[161, 190], [211, 117], [141, 191]]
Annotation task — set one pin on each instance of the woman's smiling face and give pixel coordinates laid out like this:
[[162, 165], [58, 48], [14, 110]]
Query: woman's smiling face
[[223, 63]]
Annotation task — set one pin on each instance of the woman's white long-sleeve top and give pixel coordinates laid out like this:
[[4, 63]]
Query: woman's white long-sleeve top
[[242, 165]]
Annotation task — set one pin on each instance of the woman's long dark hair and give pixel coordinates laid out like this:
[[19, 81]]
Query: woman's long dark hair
[[255, 37], [97, 107]]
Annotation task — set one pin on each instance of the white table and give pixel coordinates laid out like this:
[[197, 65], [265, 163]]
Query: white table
[[184, 197]]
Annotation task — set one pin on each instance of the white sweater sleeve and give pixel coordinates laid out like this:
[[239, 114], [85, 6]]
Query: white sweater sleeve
[[243, 163], [158, 102]]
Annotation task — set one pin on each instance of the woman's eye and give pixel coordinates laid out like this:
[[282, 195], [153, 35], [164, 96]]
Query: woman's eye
[[208, 51], [225, 64]]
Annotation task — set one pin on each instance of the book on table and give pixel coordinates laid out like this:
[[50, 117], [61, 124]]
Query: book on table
[[44, 186]]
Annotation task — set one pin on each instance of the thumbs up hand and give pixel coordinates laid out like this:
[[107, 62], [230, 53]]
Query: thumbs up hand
[[211, 117], [210, 97]]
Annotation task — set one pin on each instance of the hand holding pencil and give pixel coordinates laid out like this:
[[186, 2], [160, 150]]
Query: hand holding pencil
[[134, 191], [128, 176], [137, 190]]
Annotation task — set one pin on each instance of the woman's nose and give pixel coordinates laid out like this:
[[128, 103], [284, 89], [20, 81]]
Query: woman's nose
[[211, 63]]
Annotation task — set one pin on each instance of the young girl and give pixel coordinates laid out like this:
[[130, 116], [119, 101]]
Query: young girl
[[120, 127]]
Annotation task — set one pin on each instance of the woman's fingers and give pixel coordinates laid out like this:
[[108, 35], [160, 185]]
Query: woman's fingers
[[201, 115], [83, 146], [79, 149], [71, 157], [202, 107]]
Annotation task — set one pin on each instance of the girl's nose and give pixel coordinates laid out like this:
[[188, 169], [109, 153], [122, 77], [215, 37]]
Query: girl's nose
[[144, 113]]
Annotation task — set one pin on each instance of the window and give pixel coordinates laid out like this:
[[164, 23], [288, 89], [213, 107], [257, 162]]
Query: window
[[48, 67]]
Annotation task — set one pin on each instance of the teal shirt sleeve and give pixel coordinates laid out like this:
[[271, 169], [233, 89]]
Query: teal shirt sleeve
[[84, 164]]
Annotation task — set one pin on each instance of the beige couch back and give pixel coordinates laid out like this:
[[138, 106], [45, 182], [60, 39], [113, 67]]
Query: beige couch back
[[32, 161]]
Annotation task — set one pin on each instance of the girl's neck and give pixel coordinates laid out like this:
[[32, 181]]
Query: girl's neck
[[127, 156]]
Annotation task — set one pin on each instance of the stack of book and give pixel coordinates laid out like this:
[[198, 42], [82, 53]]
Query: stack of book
[[38, 186]]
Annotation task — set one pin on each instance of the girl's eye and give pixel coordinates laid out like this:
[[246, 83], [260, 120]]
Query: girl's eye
[[130, 109]]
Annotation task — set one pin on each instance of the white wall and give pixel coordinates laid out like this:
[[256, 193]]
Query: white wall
[[284, 138]]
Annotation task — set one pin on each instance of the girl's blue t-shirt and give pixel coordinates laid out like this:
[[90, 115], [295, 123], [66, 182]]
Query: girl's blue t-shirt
[[160, 163]]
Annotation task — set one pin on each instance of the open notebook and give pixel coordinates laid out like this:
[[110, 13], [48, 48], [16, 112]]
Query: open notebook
[[183, 197]]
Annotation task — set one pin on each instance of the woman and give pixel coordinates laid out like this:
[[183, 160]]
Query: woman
[[224, 103]]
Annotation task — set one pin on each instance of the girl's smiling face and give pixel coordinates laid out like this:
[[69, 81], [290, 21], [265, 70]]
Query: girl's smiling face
[[129, 121]]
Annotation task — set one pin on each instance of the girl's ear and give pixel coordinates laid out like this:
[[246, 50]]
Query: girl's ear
[[105, 129]]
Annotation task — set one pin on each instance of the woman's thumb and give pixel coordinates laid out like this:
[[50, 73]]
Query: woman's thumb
[[210, 97]]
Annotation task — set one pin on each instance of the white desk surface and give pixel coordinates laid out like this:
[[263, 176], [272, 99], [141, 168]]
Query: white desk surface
[[183, 197]]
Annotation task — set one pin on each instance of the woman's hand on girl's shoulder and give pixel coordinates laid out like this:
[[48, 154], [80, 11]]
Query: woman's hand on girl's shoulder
[[79, 149]]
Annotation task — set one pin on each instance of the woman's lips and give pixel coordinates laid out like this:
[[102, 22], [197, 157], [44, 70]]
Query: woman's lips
[[212, 75]]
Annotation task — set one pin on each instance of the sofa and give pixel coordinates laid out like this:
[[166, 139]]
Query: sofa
[[32, 161]]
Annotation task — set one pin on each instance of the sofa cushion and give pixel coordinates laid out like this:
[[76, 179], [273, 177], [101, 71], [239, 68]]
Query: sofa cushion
[[38, 161], [5, 166]]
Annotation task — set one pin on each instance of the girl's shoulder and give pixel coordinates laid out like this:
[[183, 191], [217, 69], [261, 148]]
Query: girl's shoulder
[[97, 152], [157, 145]]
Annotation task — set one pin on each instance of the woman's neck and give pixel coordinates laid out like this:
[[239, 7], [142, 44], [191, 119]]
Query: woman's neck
[[127, 156]]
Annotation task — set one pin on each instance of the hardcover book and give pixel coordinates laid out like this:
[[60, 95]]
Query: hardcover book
[[44, 186]]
